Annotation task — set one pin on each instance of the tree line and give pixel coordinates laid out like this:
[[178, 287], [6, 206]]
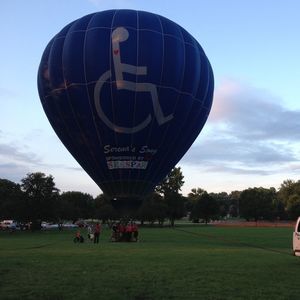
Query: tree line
[[37, 199]]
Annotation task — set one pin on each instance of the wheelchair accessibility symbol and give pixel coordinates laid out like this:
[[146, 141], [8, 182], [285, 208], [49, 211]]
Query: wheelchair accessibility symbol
[[119, 35]]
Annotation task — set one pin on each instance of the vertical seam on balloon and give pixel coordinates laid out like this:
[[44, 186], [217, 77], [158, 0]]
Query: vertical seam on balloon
[[94, 119], [187, 115], [188, 139], [176, 103], [86, 86], [67, 93], [152, 124], [138, 172], [56, 107], [205, 95], [87, 90], [112, 99], [45, 103], [135, 98], [180, 94], [199, 86], [178, 97]]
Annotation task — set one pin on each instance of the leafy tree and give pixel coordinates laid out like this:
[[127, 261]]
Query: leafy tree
[[293, 206], [288, 194], [175, 206], [103, 209], [76, 205], [170, 188], [12, 204], [193, 197], [195, 193], [223, 202], [172, 182], [287, 189], [41, 197], [280, 211], [153, 208], [234, 207], [257, 203], [206, 207]]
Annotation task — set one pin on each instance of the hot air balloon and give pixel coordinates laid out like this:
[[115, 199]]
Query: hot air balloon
[[127, 92]]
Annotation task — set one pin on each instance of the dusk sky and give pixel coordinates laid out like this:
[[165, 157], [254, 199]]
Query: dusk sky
[[252, 136]]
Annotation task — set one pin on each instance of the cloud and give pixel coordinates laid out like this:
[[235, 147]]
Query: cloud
[[13, 171], [236, 170], [16, 160], [10, 152], [247, 152], [251, 113], [6, 93], [249, 131]]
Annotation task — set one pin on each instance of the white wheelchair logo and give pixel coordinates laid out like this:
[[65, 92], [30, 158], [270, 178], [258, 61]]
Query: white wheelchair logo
[[119, 35]]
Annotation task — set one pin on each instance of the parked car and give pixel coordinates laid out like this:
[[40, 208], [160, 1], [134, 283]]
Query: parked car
[[8, 225], [48, 226], [69, 225]]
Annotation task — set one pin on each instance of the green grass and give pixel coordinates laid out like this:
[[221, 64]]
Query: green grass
[[188, 262]]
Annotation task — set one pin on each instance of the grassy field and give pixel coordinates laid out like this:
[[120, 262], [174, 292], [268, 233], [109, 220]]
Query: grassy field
[[188, 262]]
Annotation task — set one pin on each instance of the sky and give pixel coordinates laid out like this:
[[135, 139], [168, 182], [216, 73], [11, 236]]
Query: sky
[[252, 136]]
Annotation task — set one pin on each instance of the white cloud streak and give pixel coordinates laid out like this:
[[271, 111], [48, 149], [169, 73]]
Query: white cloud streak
[[247, 128]]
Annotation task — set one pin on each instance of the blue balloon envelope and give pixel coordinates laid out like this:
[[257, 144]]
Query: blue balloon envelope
[[127, 92]]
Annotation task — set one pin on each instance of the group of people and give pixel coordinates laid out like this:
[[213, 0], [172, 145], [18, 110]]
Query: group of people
[[124, 232], [121, 232], [93, 234]]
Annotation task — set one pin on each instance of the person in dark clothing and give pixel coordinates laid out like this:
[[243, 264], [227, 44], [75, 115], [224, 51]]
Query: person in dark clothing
[[97, 231], [78, 238], [115, 235], [135, 232]]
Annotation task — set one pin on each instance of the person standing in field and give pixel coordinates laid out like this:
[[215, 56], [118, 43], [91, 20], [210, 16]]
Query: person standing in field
[[90, 233], [135, 231], [97, 231]]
